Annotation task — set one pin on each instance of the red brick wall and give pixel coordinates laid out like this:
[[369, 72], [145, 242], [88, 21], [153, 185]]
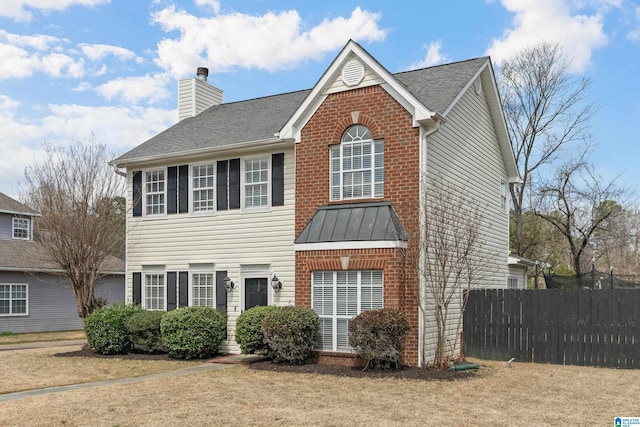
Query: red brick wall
[[388, 120]]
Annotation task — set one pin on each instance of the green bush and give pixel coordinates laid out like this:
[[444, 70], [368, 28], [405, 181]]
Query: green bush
[[377, 337], [193, 332], [291, 332], [144, 331], [106, 330], [249, 330]]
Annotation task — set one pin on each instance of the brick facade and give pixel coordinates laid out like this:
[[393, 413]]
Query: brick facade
[[388, 120]]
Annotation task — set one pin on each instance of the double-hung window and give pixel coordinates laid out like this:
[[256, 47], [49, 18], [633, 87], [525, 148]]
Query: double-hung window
[[337, 297], [155, 291], [203, 289], [503, 195], [357, 166], [13, 299], [155, 188], [255, 183], [21, 228], [203, 187]]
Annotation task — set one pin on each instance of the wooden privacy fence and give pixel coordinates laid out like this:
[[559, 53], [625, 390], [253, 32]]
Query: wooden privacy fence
[[561, 326]]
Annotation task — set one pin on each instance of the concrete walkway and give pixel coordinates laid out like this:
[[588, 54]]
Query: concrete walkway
[[41, 344], [219, 362]]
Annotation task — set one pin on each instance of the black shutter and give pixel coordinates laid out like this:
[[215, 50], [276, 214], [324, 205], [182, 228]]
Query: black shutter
[[183, 189], [137, 288], [183, 295], [277, 179], [221, 292], [172, 190], [171, 290], [222, 180], [137, 193], [234, 184]]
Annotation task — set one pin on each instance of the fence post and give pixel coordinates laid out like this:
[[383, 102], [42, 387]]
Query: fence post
[[611, 276]]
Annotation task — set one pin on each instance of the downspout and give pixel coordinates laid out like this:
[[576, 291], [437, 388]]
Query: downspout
[[428, 131]]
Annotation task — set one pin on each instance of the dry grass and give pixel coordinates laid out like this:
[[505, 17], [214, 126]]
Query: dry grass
[[527, 394], [38, 368], [42, 336]]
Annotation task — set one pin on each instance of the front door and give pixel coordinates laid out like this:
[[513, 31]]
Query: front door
[[255, 292]]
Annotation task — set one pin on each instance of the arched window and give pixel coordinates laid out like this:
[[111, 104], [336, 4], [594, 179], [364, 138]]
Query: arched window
[[357, 166]]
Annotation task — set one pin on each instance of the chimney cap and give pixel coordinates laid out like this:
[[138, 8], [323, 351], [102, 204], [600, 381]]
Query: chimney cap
[[202, 73]]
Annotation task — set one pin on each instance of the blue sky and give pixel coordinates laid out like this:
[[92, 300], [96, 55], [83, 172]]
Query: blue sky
[[70, 69]]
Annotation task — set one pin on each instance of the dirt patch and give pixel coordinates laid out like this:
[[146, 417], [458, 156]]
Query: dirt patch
[[405, 372]]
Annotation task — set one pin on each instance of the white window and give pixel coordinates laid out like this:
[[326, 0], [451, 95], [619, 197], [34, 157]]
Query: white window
[[21, 228], [203, 187], [357, 166], [503, 195], [512, 283], [154, 290], [13, 300], [155, 187], [256, 176], [203, 289], [337, 297]]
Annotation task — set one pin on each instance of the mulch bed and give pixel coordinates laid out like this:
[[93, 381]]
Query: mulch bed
[[405, 372]]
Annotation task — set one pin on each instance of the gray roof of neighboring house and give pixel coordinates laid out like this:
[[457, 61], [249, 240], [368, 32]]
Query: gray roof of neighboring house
[[260, 119], [9, 205], [22, 255], [373, 221]]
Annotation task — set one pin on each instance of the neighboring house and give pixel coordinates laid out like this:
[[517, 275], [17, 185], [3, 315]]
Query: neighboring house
[[315, 192], [519, 271], [34, 296]]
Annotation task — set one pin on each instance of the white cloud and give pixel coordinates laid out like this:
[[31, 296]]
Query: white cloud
[[555, 21], [136, 89], [224, 42], [20, 10], [96, 52], [119, 127], [36, 41], [211, 4], [634, 35], [16, 62], [433, 57]]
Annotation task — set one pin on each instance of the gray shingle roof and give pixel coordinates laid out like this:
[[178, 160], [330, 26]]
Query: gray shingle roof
[[437, 87], [374, 221], [21, 255], [222, 125], [259, 119], [9, 205]]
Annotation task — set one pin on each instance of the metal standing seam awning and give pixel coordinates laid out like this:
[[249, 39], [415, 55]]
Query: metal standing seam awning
[[354, 222]]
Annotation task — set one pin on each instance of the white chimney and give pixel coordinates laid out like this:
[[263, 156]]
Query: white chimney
[[196, 95]]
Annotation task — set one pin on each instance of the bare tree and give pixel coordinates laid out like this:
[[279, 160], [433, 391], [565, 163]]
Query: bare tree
[[579, 204], [545, 109], [447, 256], [75, 191]]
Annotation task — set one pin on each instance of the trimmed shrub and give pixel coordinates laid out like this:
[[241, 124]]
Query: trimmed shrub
[[106, 330], [144, 331], [249, 330], [291, 332], [193, 332], [377, 337]]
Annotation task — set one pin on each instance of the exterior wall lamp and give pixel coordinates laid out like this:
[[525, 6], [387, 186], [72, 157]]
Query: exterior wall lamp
[[276, 284], [228, 283]]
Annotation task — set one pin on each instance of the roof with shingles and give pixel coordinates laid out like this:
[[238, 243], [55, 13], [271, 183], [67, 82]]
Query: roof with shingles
[[9, 205], [260, 119], [22, 255]]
